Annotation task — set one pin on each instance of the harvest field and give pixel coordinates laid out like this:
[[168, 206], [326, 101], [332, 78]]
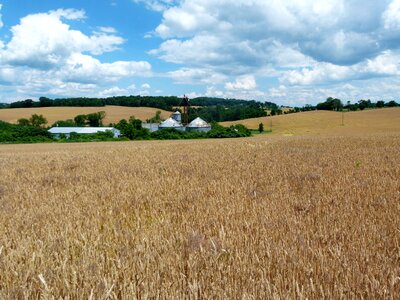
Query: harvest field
[[258, 218], [329, 122], [113, 113]]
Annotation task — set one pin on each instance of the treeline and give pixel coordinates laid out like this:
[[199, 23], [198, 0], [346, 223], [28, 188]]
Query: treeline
[[231, 113], [337, 104], [162, 102]]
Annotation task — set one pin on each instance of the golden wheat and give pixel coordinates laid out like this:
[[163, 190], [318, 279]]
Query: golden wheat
[[113, 113], [257, 218]]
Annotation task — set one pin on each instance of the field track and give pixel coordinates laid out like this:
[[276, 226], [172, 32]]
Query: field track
[[113, 113], [273, 216]]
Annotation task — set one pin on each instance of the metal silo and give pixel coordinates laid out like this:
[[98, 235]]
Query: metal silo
[[198, 125], [177, 116]]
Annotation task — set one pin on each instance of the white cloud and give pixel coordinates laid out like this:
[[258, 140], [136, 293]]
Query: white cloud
[[44, 41], [157, 5], [145, 86], [196, 76], [246, 83], [391, 17], [108, 29], [45, 56]]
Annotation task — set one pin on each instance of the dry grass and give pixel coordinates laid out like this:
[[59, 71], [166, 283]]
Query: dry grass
[[258, 218], [327, 122], [113, 113]]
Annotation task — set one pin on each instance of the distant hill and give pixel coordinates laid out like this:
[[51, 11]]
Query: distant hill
[[53, 114], [322, 122]]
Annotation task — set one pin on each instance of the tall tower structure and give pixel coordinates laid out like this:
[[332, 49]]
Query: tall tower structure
[[185, 115]]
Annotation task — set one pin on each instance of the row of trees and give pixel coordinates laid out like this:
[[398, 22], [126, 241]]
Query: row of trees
[[337, 105], [92, 120], [162, 102]]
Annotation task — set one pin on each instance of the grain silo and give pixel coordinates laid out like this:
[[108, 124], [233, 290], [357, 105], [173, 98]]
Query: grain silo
[[177, 116], [171, 123], [198, 125]]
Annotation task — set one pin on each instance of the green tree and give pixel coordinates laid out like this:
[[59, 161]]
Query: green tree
[[64, 123], [80, 120], [261, 127], [23, 122], [96, 119], [156, 118], [37, 120], [380, 104]]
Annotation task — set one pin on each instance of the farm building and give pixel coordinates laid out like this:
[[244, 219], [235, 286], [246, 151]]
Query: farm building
[[58, 131], [198, 125], [175, 121], [171, 123]]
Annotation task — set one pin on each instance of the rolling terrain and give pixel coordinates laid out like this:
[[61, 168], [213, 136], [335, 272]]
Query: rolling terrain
[[311, 216], [113, 113], [329, 122]]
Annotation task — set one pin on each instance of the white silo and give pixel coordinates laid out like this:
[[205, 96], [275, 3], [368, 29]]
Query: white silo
[[198, 125]]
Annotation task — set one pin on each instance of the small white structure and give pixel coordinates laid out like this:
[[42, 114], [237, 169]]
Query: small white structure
[[152, 127], [198, 125], [171, 123], [58, 131], [177, 116]]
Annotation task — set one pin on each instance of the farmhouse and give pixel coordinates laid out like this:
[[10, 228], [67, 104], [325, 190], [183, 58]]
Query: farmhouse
[[58, 131]]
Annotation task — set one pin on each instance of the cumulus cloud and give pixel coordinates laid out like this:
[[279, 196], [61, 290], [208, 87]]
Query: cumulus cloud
[[44, 40], [246, 83], [333, 31], [302, 44], [48, 54]]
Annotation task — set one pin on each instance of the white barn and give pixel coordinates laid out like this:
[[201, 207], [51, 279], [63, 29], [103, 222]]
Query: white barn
[[58, 131]]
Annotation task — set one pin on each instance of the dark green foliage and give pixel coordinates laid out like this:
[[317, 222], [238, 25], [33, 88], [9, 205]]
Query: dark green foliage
[[133, 129], [392, 104], [80, 120], [37, 120], [95, 119], [231, 113], [65, 123], [167, 134], [156, 118], [23, 122], [261, 127], [10, 133], [330, 104], [235, 131]]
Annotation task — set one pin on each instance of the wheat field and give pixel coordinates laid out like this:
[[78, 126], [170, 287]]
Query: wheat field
[[113, 113], [268, 217], [329, 122]]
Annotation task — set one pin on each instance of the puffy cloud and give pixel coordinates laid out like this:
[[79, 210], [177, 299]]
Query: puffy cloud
[[197, 76], [45, 56], [332, 31], [246, 83], [44, 40]]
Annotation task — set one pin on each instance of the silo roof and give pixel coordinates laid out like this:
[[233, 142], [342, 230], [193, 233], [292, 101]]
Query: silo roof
[[170, 123], [176, 113], [199, 123]]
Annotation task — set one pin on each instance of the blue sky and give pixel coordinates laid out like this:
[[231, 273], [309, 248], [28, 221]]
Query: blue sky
[[291, 52]]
